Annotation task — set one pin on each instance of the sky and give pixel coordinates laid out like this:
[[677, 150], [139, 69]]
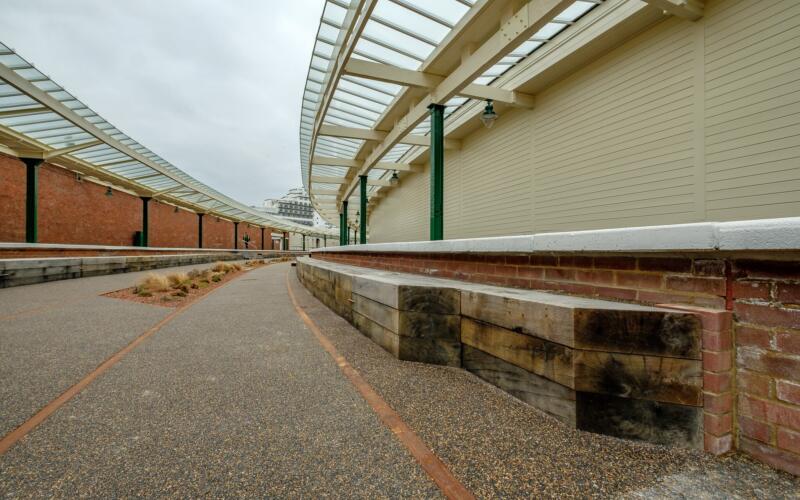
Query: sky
[[212, 86]]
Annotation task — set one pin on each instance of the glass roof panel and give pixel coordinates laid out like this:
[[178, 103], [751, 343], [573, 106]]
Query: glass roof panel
[[27, 116]]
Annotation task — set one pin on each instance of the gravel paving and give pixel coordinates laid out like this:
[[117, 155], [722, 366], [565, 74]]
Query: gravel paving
[[232, 398], [53, 334], [500, 447]]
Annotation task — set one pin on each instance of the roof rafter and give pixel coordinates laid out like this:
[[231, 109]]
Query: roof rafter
[[379, 135], [407, 77]]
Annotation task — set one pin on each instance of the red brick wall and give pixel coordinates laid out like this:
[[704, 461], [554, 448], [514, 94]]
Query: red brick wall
[[12, 199], [80, 212], [255, 235], [217, 233], [750, 307], [767, 309], [172, 229]]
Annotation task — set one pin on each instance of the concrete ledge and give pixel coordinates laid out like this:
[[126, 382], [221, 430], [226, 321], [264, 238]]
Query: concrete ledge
[[16, 272], [758, 235]]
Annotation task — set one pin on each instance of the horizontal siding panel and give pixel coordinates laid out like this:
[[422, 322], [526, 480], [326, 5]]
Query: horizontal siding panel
[[753, 110]]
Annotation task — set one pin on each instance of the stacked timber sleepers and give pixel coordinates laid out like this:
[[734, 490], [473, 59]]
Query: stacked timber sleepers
[[625, 370]]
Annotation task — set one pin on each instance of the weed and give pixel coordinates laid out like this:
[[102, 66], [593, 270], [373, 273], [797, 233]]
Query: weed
[[179, 293], [143, 293], [216, 278]]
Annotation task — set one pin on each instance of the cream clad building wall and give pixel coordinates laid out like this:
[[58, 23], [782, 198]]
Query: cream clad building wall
[[683, 123]]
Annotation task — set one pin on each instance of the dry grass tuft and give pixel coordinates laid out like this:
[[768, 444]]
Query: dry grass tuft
[[152, 283], [177, 279]]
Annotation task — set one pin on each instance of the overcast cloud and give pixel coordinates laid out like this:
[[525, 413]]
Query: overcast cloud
[[213, 86]]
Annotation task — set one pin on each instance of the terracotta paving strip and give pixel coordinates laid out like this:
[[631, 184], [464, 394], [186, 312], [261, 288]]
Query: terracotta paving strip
[[436, 469], [23, 430]]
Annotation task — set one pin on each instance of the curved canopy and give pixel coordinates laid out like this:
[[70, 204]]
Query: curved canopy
[[39, 119], [378, 64]]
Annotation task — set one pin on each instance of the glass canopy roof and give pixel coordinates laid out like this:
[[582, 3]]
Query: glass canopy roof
[[398, 33], [36, 114]]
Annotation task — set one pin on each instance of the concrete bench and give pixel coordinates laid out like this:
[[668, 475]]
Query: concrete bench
[[609, 367]]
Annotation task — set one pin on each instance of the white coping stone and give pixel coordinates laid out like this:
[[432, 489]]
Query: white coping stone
[[763, 234]]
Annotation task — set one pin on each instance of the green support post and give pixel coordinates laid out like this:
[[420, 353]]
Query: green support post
[[345, 231], [235, 235], [262, 238], [145, 221], [437, 171], [286, 241], [200, 230], [362, 223], [304, 242], [324, 240], [32, 199]]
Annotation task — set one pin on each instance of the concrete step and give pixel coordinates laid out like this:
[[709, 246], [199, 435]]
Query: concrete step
[[610, 367]]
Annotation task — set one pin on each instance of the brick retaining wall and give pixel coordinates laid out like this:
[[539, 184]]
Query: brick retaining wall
[[750, 305]]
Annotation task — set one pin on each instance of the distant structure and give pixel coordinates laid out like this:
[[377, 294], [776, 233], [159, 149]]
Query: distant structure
[[294, 206]]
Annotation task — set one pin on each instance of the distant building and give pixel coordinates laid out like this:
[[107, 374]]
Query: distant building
[[294, 206]]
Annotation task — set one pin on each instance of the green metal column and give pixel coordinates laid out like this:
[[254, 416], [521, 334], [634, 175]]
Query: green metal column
[[286, 241], [200, 230], [437, 171], [362, 228], [345, 231], [145, 221], [235, 235], [324, 240], [32, 199], [262, 238], [304, 242]]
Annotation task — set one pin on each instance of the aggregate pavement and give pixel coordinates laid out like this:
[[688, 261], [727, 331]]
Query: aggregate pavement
[[235, 397]]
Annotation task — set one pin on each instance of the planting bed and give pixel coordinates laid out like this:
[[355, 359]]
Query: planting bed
[[177, 289]]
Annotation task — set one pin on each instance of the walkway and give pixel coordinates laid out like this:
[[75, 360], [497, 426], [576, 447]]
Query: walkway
[[235, 396]]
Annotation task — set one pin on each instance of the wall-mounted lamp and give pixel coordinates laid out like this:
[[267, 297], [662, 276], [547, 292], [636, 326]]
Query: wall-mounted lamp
[[394, 179], [489, 116], [109, 192], [176, 209], [78, 177]]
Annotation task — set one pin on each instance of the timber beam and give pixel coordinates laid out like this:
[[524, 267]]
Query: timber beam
[[411, 78]]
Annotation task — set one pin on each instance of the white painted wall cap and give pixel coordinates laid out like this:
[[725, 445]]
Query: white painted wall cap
[[763, 234]]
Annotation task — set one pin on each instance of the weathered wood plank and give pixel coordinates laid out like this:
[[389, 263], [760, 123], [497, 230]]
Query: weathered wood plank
[[436, 351], [547, 359], [386, 316], [389, 341], [429, 299], [641, 332], [546, 321], [669, 380], [537, 391], [651, 421]]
